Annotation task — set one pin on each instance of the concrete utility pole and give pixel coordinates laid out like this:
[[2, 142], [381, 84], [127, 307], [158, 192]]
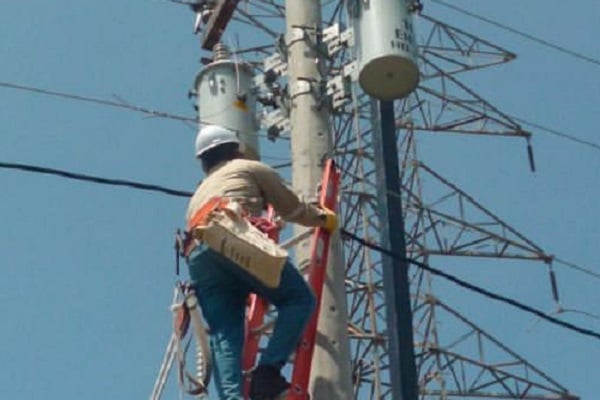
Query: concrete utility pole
[[310, 144]]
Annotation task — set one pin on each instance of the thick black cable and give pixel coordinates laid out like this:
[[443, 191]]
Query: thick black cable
[[181, 193], [95, 179], [474, 288], [528, 36]]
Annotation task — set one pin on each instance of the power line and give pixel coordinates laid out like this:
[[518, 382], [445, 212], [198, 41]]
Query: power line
[[186, 3], [474, 288], [161, 114], [181, 193], [577, 267], [119, 104], [110, 103], [95, 179], [558, 133], [535, 39]]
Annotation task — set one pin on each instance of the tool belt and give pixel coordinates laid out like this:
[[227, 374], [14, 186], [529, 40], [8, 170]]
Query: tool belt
[[223, 226]]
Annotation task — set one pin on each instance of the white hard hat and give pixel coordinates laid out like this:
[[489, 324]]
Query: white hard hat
[[211, 136]]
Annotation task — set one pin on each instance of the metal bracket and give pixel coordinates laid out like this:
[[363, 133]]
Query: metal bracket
[[350, 70], [300, 87], [275, 63], [339, 87], [275, 67], [337, 91], [203, 10], [276, 122], [295, 34], [336, 39]]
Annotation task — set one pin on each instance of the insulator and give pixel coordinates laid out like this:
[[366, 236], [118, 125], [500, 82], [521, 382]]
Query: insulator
[[197, 23], [554, 285], [530, 155], [221, 52], [206, 14]]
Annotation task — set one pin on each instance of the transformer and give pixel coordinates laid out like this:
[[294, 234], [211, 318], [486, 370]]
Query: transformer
[[386, 49], [226, 97]]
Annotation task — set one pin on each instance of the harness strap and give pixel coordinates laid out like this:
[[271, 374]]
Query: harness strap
[[187, 243], [201, 216], [184, 242]]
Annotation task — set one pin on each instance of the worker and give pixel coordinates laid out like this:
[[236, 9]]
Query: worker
[[223, 287]]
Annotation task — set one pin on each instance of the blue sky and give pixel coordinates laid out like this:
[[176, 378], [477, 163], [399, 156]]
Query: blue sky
[[88, 269]]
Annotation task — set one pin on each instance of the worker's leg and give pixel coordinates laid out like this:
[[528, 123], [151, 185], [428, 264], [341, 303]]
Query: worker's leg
[[222, 297], [295, 303]]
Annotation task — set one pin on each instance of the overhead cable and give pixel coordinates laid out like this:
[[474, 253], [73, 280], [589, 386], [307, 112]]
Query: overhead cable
[[577, 267], [558, 133], [528, 36], [162, 114], [472, 287], [352, 236], [94, 179], [120, 104], [110, 103], [186, 3]]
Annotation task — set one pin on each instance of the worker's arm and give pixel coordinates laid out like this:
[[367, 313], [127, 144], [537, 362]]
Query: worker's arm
[[285, 201]]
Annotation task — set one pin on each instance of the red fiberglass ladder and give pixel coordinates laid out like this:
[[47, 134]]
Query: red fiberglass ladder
[[316, 277]]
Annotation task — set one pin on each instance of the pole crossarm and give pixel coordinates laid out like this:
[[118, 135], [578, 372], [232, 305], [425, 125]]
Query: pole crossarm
[[216, 24]]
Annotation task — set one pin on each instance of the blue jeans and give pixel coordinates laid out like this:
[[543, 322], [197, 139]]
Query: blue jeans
[[222, 289]]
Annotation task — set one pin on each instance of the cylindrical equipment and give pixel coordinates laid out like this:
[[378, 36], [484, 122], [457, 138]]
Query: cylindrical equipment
[[226, 97], [386, 49]]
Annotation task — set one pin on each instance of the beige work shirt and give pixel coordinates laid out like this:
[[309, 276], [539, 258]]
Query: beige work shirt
[[254, 185]]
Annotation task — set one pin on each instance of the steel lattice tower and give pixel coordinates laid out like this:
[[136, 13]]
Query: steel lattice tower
[[441, 222]]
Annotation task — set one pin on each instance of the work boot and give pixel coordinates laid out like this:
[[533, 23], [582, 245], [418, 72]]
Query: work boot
[[267, 383]]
